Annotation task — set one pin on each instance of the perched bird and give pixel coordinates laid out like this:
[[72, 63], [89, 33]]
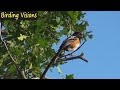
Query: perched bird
[[69, 44]]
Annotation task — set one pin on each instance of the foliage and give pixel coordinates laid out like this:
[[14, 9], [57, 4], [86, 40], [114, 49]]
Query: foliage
[[71, 76], [30, 41]]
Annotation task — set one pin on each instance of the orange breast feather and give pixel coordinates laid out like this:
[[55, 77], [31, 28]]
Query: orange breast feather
[[75, 43]]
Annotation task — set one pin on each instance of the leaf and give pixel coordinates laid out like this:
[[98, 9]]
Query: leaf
[[73, 15], [36, 78], [1, 62], [22, 37], [71, 76], [12, 69], [90, 36], [57, 19], [59, 70], [25, 24], [30, 66], [70, 13]]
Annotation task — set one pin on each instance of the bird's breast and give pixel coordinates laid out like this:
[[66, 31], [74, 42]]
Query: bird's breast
[[74, 45]]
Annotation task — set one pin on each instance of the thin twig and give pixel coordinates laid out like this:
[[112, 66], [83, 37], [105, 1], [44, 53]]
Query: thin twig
[[75, 57], [75, 50], [13, 60]]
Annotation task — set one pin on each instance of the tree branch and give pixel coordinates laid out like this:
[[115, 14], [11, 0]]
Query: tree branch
[[48, 66], [21, 72], [44, 78], [13, 60], [47, 78], [75, 57], [3, 32], [51, 62]]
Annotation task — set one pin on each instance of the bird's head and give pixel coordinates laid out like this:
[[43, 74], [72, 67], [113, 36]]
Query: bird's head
[[78, 34]]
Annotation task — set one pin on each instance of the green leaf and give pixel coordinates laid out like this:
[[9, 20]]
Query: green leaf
[[90, 36], [1, 62], [22, 37], [12, 69], [74, 16], [36, 78], [30, 66], [58, 19], [59, 70], [25, 24], [71, 76], [70, 13]]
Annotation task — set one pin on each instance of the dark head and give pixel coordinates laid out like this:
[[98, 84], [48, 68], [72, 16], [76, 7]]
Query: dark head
[[78, 34]]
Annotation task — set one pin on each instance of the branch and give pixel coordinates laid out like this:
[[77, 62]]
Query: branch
[[13, 60], [49, 65], [75, 57], [75, 50], [47, 78], [44, 78], [21, 72], [3, 32]]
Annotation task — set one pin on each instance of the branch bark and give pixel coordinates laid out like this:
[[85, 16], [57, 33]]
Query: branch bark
[[76, 57], [48, 66]]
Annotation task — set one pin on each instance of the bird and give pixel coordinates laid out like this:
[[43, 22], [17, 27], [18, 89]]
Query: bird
[[69, 44]]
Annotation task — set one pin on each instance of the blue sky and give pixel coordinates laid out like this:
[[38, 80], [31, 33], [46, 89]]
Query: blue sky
[[102, 52]]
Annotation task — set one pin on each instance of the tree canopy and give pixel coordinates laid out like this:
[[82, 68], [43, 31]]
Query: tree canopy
[[26, 47]]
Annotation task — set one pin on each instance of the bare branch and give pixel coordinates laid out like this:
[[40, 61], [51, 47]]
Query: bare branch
[[48, 78], [43, 78], [21, 72], [75, 57], [51, 62]]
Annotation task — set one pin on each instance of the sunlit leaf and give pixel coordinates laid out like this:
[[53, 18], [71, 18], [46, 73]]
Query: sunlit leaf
[[30, 66], [21, 37], [36, 78], [59, 70]]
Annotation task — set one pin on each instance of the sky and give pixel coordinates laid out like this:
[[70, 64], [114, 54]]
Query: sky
[[102, 52]]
